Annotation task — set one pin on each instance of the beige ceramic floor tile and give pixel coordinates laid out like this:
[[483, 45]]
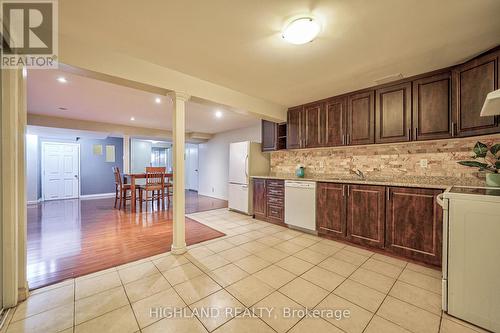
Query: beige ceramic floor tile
[[277, 319], [382, 268], [98, 304], [211, 262], [359, 250], [421, 280], [219, 245], [304, 241], [452, 326], [435, 273], [323, 278], [269, 240], [304, 292], [64, 283], [239, 239], [338, 266], [288, 247], [234, 254], [252, 264], [196, 288], [295, 265], [390, 260], [44, 301], [380, 325], [97, 284], [182, 273], [137, 272], [250, 290], [271, 254], [228, 274], [324, 248], [373, 280], [284, 235], [170, 261], [253, 246], [176, 325], [54, 320], [358, 317], [409, 316], [164, 299], [350, 257], [274, 276], [121, 320], [359, 294], [422, 298], [226, 305], [310, 256], [462, 323], [146, 287], [246, 324], [314, 325]]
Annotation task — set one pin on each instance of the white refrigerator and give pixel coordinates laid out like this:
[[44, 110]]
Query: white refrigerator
[[245, 160]]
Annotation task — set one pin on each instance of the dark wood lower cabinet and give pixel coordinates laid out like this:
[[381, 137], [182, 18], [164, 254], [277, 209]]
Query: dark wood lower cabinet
[[331, 209], [414, 224], [366, 215], [269, 200], [259, 197]]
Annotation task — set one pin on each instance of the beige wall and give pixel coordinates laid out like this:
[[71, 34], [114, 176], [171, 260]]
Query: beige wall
[[389, 160]]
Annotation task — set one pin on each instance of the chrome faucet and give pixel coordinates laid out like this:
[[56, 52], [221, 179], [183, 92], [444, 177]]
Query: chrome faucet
[[359, 173]]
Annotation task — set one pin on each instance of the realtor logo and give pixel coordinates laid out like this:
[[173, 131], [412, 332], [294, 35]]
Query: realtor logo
[[29, 33]]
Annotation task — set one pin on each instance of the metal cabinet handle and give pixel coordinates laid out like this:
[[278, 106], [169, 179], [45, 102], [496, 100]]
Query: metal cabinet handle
[[452, 128], [388, 193], [348, 188], [416, 133], [409, 134]]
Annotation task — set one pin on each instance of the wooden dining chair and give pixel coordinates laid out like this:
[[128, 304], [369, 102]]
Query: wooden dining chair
[[154, 187], [122, 191], [169, 187]]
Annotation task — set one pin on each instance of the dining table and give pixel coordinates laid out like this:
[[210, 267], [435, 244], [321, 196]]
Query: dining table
[[132, 177]]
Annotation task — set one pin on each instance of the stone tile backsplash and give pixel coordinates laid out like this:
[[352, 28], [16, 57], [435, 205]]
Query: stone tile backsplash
[[387, 160]]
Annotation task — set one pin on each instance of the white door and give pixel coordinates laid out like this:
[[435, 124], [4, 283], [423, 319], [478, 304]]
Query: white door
[[238, 162], [193, 168], [60, 170]]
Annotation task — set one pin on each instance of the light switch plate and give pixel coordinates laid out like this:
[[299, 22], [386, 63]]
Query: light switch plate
[[423, 163]]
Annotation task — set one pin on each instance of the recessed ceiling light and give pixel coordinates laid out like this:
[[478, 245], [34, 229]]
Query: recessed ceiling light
[[301, 30], [218, 114], [158, 100], [62, 79], [62, 109], [132, 118]]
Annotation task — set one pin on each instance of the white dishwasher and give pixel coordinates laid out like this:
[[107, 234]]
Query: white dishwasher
[[300, 205]]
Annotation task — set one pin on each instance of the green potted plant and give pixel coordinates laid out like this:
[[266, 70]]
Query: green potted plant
[[489, 157]]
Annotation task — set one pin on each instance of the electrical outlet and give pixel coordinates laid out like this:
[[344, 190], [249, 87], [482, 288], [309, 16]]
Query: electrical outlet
[[423, 163]]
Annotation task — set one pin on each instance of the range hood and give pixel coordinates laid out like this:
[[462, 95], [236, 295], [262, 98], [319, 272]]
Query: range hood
[[491, 105]]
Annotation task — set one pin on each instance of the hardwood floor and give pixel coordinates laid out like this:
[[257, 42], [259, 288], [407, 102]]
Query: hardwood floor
[[70, 238]]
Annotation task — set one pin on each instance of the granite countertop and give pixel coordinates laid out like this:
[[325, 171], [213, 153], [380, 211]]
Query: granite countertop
[[433, 182]]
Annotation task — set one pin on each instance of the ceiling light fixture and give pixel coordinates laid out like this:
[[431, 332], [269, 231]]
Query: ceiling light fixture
[[62, 108], [218, 114], [301, 30], [132, 118], [62, 79], [158, 100]]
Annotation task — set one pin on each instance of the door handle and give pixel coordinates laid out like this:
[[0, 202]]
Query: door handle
[[76, 176]]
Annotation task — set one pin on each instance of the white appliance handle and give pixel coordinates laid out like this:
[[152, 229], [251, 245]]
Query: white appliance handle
[[439, 200], [246, 166]]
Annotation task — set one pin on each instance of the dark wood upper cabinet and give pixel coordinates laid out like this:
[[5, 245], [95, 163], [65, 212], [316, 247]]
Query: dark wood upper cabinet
[[393, 113], [294, 127], [331, 209], [366, 215], [313, 116], [269, 136], [360, 118], [432, 107], [259, 197], [473, 81], [414, 224], [335, 122]]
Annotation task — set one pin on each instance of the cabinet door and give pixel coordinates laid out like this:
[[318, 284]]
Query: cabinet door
[[414, 224], [432, 107], [330, 209], [259, 197], [474, 80], [361, 119], [312, 125], [366, 215], [294, 126], [335, 122], [393, 113], [269, 135]]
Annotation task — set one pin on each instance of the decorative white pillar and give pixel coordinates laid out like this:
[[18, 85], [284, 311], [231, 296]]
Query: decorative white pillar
[[178, 140], [126, 154]]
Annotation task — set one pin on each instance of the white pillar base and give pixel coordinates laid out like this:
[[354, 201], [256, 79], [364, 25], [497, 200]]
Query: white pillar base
[[179, 249]]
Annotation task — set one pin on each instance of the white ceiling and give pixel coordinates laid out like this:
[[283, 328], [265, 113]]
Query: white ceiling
[[237, 43], [90, 99]]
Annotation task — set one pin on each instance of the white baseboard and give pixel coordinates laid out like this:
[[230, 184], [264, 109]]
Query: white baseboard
[[34, 202], [97, 196]]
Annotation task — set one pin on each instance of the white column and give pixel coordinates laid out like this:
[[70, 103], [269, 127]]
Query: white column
[[126, 154], [178, 139]]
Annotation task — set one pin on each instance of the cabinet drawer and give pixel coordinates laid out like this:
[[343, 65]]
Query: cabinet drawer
[[275, 200], [275, 212], [275, 192], [278, 184]]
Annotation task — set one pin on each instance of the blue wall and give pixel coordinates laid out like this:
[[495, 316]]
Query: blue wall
[[96, 175]]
